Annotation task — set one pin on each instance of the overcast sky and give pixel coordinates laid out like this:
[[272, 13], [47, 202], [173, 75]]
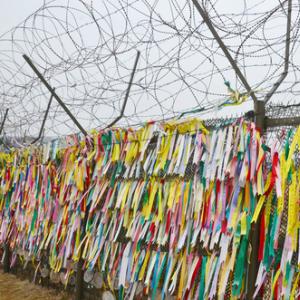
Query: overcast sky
[[13, 12]]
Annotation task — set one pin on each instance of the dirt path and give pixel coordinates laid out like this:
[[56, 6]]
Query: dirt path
[[12, 288]]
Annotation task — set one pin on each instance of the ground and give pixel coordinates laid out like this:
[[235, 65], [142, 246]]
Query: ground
[[12, 288]]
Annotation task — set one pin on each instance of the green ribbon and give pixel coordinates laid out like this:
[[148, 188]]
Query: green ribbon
[[240, 267], [202, 279]]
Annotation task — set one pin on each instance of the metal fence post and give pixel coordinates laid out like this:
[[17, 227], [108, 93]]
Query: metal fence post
[[259, 112], [6, 263]]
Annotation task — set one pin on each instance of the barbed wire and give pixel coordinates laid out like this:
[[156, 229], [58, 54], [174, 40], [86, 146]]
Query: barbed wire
[[86, 49]]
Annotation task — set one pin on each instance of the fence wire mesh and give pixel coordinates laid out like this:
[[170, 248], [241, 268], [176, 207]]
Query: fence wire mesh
[[86, 49]]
